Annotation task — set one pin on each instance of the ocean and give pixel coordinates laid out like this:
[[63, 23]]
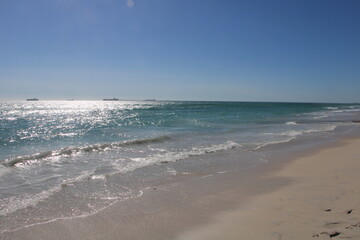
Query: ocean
[[68, 159]]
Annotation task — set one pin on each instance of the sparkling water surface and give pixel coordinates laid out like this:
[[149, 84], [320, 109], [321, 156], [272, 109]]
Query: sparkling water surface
[[82, 150]]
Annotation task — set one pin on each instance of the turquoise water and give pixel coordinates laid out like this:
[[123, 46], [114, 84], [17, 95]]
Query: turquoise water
[[57, 149]]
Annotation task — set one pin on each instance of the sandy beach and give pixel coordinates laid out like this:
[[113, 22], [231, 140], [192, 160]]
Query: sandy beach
[[314, 196], [321, 202]]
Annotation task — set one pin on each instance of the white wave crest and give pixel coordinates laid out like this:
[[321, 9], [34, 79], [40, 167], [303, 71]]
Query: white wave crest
[[12, 204], [300, 132], [175, 156], [98, 177], [15, 203], [347, 110], [293, 134], [321, 116]]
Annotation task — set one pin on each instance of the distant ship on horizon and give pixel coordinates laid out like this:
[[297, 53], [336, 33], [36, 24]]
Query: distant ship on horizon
[[32, 99], [110, 99]]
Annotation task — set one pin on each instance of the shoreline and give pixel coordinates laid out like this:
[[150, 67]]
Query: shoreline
[[321, 201], [185, 209]]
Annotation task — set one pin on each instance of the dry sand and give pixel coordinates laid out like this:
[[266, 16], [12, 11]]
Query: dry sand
[[322, 202]]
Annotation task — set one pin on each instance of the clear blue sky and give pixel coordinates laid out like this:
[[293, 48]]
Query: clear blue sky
[[256, 50]]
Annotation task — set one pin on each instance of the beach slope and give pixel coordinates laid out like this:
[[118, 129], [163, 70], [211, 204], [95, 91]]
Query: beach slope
[[321, 202]]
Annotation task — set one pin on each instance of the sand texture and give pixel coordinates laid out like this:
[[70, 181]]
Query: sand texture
[[321, 202]]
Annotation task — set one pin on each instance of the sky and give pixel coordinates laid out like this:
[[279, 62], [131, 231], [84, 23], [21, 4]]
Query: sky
[[226, 50]]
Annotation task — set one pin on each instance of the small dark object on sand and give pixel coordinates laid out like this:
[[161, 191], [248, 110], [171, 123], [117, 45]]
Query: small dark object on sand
[[331, 223], [356, 121], [353, 226], [348, 212], [328, 210], [334, 234]]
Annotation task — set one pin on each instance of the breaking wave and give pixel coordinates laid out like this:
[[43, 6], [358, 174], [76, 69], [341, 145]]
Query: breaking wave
[[69, 151]]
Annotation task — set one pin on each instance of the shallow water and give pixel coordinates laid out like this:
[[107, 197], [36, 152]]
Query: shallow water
[[62, 159]]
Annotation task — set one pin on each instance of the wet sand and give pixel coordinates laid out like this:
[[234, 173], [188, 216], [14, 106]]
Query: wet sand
[[315, 196], [321, 202]]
